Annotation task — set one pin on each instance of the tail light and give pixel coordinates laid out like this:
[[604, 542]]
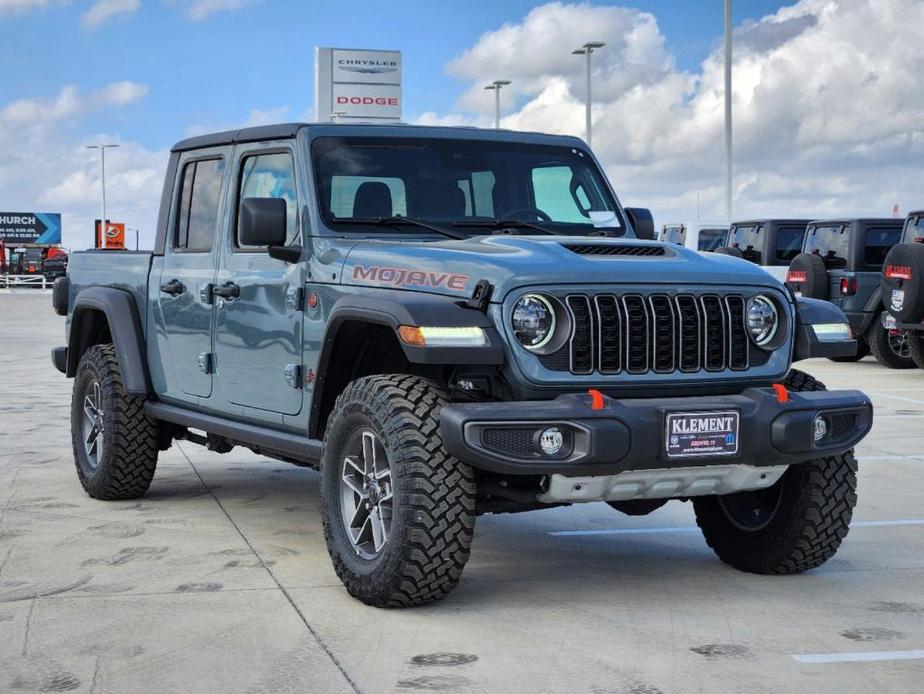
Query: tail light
[[796, 276], [848, 286], [898, 272]]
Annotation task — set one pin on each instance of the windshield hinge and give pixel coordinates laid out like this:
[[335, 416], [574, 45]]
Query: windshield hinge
[[481, 296]]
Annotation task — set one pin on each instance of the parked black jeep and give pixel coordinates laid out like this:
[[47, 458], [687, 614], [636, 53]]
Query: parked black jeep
[[903, 286], [841, 261], [770, 243]]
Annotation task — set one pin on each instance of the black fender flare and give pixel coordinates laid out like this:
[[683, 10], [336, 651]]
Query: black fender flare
[[872, 310], [121, 312], [396, 308], [811, 312]]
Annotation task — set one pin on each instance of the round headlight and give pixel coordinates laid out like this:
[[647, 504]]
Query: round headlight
[[533, 321], [763, 319]]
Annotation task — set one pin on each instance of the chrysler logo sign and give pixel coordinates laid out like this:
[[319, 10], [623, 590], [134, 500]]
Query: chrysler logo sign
[[368, 67]]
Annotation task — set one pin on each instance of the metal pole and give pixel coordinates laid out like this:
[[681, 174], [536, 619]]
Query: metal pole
[[728, 110], [589, 100], [497, 107], [102, 183], [136, 238]]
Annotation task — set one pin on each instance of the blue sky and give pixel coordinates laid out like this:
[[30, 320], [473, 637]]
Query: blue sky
[[829, 111], [212, 73]]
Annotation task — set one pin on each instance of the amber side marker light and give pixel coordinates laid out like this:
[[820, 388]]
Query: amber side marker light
[[427, 336]]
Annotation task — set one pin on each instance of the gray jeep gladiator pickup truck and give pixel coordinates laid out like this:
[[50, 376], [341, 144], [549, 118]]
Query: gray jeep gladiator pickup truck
[[903, 286], [449, 322], [841, 261]]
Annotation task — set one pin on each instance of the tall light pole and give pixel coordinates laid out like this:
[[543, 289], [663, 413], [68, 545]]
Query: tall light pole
[[102, 184], [728, 110], [496, 86], [587, 49]]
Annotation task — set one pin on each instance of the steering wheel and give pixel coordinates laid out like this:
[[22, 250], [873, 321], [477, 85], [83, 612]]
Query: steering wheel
[[539, 214]]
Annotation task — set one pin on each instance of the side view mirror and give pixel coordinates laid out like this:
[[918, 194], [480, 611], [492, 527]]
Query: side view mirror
[[642, 222], [263, 222]]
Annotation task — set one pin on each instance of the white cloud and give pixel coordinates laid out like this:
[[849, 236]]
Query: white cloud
[[197, 10], [256, 117], [103, 10], [48, 169], [829, 113], [14, 7]]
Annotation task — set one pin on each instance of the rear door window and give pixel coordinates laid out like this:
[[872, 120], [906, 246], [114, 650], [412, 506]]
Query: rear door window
[[198, 206], [789, 243], [877, 243], [830, 242]]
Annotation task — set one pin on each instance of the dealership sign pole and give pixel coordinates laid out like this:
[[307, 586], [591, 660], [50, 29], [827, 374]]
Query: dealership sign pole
[[357, 85], [102, 184]]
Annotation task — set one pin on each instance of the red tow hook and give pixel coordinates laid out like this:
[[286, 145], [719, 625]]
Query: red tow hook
[[596, 399], [782, 395]]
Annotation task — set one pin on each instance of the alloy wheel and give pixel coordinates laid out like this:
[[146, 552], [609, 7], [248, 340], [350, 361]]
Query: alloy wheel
[[366, 494], [93, 425]]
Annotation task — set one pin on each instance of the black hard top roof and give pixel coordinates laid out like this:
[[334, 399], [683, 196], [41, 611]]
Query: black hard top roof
[[859, 220], [290, 130], [229, 137], [771, 221]]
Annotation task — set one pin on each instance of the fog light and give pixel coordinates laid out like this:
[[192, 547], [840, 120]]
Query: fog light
[[820, 428], [551, 440]]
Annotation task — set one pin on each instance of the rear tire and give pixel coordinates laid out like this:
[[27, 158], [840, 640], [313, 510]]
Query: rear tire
[[115, 444], [419, 498], [916, 347], [889, 349], [795, 525]]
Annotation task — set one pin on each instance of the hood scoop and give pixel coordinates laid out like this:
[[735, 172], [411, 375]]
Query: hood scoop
[[617, 249]]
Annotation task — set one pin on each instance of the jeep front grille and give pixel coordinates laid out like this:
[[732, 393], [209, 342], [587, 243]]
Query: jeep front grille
[[656, 333]]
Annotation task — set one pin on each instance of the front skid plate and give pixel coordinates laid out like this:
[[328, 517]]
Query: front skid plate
[[666, 483]]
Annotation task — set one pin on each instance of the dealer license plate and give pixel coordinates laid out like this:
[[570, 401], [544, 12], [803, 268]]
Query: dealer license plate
[[693, 434]]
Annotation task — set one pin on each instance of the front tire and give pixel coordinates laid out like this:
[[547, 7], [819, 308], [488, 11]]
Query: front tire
[[795, 525], [115, 444], [398, 511]]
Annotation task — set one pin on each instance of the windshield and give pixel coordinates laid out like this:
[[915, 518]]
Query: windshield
[[450, 181], [830, 242], [747, 239]]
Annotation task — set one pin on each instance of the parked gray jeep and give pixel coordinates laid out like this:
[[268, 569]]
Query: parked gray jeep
[[903, 286], [841, 261], [448, 322]]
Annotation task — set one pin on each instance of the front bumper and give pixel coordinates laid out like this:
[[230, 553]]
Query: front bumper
[[503, 437]]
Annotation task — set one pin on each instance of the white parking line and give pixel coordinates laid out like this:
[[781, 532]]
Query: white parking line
[[897, 397], [859, 657], [695, 529], [883, 458]]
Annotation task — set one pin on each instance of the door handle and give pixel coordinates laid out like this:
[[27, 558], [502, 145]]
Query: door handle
[[173, 287], [228, 290]]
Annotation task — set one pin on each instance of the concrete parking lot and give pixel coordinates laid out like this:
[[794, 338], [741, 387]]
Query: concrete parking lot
[[218, 580]]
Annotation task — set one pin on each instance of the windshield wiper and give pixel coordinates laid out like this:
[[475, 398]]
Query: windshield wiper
[[503, 224], [397, 222]]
